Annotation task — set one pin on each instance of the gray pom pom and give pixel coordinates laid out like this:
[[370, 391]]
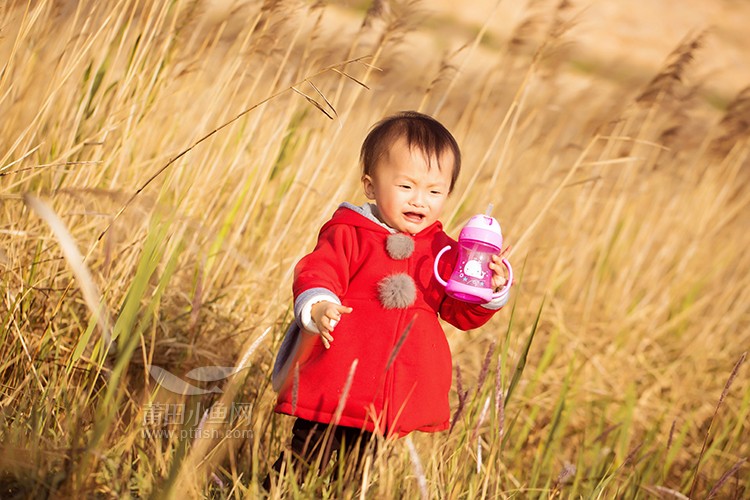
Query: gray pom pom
[[397, 291], [399, 246]]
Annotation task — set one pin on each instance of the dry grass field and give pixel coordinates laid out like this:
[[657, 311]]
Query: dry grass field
[[163, 165]]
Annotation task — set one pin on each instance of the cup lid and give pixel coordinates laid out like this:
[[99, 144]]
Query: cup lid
[[483, 228]]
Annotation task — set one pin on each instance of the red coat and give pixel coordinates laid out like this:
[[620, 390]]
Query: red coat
[[394, 389]]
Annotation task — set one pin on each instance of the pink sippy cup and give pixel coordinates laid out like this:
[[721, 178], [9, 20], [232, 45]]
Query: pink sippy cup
[[471, 280]]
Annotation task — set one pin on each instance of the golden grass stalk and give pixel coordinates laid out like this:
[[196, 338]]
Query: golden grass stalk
[[499, 400], [724, 393], [75, 260], [725, 477], [666, 84], [345, 393], [399, 343], [418, 469], [462, 396]]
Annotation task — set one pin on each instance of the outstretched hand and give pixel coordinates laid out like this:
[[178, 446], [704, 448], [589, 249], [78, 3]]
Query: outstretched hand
[[326, 315]]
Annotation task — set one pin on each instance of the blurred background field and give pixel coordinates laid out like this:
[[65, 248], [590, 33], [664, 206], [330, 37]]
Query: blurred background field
[[163, 165]]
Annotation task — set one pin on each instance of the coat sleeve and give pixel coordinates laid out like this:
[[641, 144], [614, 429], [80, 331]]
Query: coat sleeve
[[463, 315], [321, 274], [328, 265]]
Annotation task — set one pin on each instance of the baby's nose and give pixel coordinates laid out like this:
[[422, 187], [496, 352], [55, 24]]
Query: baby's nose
[[418, 199]]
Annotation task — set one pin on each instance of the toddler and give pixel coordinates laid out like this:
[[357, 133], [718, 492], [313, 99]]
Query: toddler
[[366, 352]]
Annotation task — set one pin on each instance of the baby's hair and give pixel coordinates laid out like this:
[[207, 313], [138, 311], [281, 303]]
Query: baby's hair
[[421, 131]]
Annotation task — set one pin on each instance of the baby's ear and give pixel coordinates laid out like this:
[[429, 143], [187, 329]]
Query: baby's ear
[[368, 187]]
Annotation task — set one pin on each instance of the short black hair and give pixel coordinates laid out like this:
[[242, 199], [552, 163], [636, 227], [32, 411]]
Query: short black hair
[[421, 131]]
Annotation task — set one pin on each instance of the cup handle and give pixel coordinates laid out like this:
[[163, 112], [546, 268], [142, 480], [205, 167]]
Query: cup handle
[[504, 290], [435, 265]]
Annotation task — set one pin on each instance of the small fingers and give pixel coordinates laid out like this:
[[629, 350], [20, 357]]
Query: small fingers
[[496, 284], [331, 318], [496, 266], [342, 309], [333, 315], [326, 338], [498, 259], [328, 322]]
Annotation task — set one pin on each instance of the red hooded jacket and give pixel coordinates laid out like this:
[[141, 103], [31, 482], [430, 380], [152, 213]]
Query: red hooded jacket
[[402, 373]]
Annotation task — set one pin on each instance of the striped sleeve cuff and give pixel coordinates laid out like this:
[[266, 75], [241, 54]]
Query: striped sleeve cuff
[[303, 306], [498, 302]]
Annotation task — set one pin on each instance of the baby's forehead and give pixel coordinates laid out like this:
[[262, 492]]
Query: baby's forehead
[[436, 155], [413, 161]]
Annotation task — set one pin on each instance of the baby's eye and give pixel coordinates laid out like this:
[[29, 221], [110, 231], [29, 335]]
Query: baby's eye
[[434, 192], [404, 186]]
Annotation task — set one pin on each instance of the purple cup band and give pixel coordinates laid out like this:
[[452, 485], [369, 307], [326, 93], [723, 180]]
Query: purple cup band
[[483, 236]]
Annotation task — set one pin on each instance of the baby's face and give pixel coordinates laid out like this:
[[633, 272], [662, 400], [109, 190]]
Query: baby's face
[[408, 188]]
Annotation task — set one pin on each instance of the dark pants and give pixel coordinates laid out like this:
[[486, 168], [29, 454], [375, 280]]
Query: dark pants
[[312, 441]]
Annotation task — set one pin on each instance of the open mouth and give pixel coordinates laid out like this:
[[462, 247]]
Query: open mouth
[[414, 217]]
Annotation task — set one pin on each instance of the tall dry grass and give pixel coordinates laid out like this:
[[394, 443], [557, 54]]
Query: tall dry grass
[[164, 165]]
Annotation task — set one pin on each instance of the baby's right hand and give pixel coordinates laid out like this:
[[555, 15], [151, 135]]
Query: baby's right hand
[[326, 315]]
